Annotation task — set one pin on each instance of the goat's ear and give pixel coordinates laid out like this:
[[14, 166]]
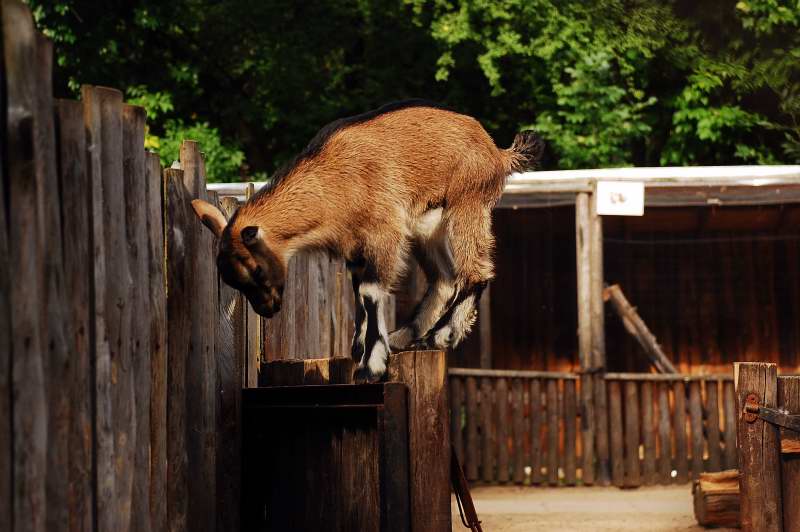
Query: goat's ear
[[210, 216]]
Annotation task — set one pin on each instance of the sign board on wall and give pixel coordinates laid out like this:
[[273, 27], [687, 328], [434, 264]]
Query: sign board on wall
[[620, 198]]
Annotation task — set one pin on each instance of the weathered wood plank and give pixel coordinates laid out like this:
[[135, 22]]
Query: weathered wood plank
[[759, 450], [632, 433], [536, 419], [712, 426], [617, 442], [154, 187], [487, 432], [596, 282], [716, 499], [518, 431], [75, 190], [201, 372], [570, 421], [602, 431], [583, 264], [133, 161], [254, 327], [696, 422], [587, 429], [501, 413], [472, 443], [679, 427], [425, 373], [729, 433], [552, 431], [179, 273], [648, 435], [789, 399], [664, 435], [456, 401], [6, 437], [485, 327], [28, 377], [55, 324]]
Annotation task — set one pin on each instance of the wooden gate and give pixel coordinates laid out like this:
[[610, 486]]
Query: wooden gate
[[769, 447]]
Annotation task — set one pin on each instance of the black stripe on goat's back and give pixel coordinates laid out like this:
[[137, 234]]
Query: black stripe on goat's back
[[316, 144]]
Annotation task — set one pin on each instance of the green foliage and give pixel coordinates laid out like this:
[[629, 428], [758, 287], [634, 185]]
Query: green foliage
[[606, 82]]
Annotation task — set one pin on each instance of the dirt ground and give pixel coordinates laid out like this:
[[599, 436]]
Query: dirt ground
[[518, 509]]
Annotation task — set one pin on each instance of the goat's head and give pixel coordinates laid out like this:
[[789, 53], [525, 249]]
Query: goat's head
[[245, 260]]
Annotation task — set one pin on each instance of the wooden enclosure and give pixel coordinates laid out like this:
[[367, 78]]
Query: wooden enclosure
[[372, 457]]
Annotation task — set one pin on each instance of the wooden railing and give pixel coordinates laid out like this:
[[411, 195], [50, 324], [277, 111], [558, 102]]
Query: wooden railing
[[527, 427]]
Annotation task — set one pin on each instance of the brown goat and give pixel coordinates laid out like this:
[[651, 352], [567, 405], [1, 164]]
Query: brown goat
[[407, 179]]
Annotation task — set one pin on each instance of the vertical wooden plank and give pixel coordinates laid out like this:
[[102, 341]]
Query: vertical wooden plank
[[679, 427], [456, 400], [425, 373], [617, 443], [596, 281], [6, 436], [487, 431], [254, 327], [789, 400], [29, 431], [485, 326], [472, 418], [664, 435], [201, 372], [648, 435], [111, 287], [696, 422], [230, 344], [712, 425], [583, 258], [55, 324], [759, 450], [632, 469], [587, 429], [570, 420], [602, 430], [154, 189], [501, 417], [133, 161], [536, 430], [518, 432], [179, 271], [77, 273], [552, 432], [729, 434]]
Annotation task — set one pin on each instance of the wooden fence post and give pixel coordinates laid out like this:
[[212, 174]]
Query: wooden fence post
[[759, 450], [133, 160], [789, 400], [425, 373], [154, 184]]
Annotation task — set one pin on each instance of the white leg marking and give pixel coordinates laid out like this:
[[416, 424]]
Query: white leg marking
[[377, 359], [462, 320]]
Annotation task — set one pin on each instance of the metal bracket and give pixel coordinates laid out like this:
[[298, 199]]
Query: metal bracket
[[753, 411]]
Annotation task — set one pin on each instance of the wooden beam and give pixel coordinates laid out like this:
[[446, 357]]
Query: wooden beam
[[638, 329], [583, 265], [716, 499], [789, 400], [597, 317]]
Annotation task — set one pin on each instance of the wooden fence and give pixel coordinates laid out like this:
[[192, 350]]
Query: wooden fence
[[529, 427], [122, 355], [768, 432]]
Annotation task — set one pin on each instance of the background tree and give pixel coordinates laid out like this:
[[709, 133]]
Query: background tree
[[607, 82]]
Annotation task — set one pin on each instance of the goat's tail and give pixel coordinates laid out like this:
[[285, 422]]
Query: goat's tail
[[525, 152]]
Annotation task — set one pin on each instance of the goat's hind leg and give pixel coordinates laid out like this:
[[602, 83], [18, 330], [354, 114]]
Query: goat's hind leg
[[370, 339]]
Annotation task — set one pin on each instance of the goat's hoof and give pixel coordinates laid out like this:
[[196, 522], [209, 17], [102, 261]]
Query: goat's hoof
[[365, 376]]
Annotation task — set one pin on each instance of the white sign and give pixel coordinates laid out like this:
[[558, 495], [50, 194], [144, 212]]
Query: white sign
[[621, 198]]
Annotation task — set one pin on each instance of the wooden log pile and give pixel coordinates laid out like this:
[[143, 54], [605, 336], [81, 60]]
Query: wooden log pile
[[716, 498]]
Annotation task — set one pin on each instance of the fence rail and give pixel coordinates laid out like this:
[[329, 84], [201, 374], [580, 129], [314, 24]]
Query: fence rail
[[529, 427]]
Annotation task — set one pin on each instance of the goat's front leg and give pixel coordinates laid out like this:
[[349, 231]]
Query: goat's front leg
[[370, 339], [455, 322]]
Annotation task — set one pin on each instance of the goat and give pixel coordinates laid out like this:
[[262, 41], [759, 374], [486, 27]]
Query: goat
[[408, 179]]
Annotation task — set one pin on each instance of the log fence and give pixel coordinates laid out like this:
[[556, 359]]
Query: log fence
[[122, 355], [526, 427]]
